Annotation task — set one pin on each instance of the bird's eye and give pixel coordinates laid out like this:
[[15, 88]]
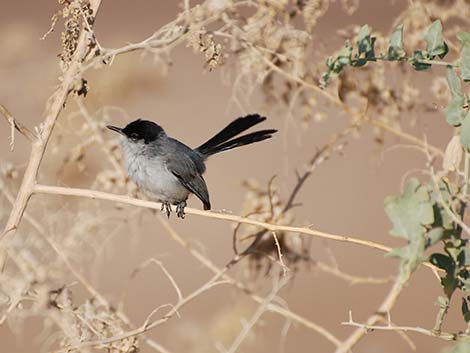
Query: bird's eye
[[134, 136]]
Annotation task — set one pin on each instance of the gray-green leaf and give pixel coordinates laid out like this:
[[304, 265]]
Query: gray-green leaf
[[365, 47], [465, 132], [395, 49], [461, 347], [464, 39], [435, 41], [454, 111], [454, 82], [416, 60], [411, 211]]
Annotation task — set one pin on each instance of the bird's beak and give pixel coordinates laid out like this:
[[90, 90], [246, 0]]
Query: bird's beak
[[115, 128]]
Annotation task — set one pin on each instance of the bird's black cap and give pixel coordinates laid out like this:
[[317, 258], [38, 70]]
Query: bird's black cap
[[140, 130]]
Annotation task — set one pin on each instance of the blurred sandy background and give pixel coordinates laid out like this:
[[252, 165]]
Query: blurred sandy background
[[344, 196]]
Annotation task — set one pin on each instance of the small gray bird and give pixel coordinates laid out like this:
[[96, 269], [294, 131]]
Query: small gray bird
[[167, 170]]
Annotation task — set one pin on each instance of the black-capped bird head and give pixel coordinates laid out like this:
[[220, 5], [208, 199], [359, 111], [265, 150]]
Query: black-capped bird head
[[140, 130]]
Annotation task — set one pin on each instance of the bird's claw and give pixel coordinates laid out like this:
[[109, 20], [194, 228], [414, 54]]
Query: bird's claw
[[180, 209], [166, 208]]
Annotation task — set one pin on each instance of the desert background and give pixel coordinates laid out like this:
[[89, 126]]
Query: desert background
[[107, 242]]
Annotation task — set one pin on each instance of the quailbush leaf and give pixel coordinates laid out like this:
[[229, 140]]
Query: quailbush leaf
[[454, 82], [446, 192], [461, 347], [449, 283], [464, 39], [411, 211], [415, 61], [395, 48], [465, 312], [442, 261], [434, 235], [411, 255], [452, 155], [442, 301], [454, 112], [465, 132], [435, 40], [365, 43]]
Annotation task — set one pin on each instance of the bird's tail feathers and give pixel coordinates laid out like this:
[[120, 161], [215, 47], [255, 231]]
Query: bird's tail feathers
[[222, 141]]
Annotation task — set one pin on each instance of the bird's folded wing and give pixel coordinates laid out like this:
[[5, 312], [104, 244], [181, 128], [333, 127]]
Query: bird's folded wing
[[186, 172]]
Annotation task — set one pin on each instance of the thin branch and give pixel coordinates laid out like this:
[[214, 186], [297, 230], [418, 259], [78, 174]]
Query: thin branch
[[351, 279], [285, 269], [100, 195], [165, 271], [385, 307], [15, 124], [442, 335], [263, 307]]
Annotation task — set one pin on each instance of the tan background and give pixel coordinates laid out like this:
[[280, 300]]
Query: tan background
[[344, 196]]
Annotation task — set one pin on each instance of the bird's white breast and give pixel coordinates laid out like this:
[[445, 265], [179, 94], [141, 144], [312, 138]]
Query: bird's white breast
[[150, 173]]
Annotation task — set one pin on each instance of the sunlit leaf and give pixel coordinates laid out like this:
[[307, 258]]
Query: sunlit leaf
[[465, 132], [435, 41], [395, 49], [464, 39]]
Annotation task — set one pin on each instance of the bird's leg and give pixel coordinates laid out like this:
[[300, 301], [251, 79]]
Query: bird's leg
[[180, 209], [166, 208]]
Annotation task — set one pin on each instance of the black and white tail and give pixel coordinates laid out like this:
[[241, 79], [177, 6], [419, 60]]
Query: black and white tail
[[223, 140]]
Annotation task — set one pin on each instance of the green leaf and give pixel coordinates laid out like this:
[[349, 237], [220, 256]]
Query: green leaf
[[446, 192], [336, 64], [464, 39], [435, 41], [454, 112], [465, 132], [434, 235], [442, 261], [411, 211], [449, 282], [343, 58], [365, 44], [395, 47], [442, 301], [461, 347], [411, 255], [416, 59], [466, 253], [465, 312], [454, 82]]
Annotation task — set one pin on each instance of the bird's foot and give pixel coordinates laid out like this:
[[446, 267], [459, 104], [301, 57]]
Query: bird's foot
[[166, 208], [180, 209]]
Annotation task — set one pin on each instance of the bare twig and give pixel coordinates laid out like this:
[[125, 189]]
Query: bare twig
[[15, 124], [165, 271], [384, 308], [368, 328], [256, 316], [94, 194]]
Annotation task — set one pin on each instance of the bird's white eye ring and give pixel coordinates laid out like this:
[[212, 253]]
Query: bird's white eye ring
[[134, 136]]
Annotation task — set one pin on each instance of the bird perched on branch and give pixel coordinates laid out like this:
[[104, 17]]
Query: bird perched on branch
[[167, 170]]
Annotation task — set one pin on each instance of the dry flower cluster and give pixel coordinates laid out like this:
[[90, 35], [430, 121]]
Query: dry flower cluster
[[270, 47]]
